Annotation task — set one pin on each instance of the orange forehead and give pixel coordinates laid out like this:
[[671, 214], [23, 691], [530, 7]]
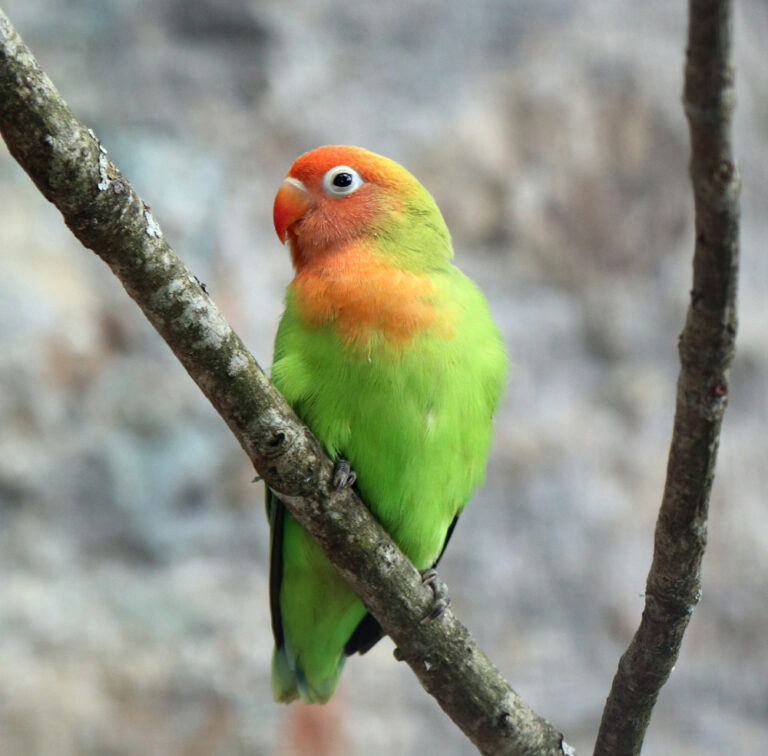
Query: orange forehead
[[312, 166]]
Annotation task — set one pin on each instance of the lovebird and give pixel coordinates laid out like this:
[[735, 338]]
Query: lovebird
[[390, 355]]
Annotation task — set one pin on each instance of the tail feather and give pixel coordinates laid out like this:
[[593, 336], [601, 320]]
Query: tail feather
[[290, 682], [284, 686]]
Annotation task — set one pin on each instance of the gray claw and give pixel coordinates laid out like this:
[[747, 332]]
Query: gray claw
[[442, 599], [343, 475]]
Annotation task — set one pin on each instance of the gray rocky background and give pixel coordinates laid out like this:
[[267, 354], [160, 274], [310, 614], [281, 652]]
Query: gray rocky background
[[133, 546]]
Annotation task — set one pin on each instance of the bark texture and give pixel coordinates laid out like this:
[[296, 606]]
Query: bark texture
[[706, 350]]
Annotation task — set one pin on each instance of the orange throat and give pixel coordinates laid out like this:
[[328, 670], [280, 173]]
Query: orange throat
[[362, 298]]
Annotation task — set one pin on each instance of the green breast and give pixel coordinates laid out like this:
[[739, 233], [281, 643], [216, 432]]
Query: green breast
[[413, 420]]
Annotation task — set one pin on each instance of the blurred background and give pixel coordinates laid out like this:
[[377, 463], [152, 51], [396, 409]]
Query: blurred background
[[133, 545]]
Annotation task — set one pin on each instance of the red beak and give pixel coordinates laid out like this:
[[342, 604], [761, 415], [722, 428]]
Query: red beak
[[292, 203]]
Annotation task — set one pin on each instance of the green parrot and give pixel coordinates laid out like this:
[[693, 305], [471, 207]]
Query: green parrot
[[390, 356]]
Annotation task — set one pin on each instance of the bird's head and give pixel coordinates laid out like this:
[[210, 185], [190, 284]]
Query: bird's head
[[337, 195]]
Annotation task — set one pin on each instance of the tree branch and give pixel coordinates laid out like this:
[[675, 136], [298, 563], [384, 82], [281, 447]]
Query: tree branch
[[72, 170], [706, 350]]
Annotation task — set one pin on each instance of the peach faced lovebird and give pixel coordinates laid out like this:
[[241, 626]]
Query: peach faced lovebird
[[389, 354]]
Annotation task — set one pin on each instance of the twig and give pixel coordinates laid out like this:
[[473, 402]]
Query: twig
[[72, 170], [706, 350]]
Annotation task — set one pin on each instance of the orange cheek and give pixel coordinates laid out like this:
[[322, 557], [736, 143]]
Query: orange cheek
[[335, 222]]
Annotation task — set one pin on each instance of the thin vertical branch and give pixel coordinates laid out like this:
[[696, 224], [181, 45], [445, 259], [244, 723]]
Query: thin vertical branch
[[706, 350]]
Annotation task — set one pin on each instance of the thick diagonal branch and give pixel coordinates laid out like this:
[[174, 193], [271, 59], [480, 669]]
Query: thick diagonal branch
[[72, 170], [706, 349]]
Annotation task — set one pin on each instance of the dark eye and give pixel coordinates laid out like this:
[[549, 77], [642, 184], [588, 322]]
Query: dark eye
[[341, 181]]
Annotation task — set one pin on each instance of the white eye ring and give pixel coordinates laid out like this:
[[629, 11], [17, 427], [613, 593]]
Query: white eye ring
[[341, 181]]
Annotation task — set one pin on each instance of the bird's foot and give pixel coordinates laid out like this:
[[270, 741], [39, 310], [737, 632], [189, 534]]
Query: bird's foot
[[343, 475], [442, 599]]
